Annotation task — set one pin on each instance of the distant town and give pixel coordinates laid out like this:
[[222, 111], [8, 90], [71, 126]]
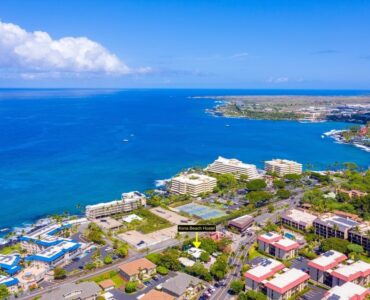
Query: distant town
[[281, 233]]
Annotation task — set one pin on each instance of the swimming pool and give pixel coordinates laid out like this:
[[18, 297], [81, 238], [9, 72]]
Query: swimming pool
[[289, 235], [201, 211]]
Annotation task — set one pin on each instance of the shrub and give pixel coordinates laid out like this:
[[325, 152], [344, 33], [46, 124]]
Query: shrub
[[131, 287], [162, 270]]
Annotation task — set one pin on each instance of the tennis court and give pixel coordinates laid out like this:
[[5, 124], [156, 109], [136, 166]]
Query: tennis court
[[201, 211]]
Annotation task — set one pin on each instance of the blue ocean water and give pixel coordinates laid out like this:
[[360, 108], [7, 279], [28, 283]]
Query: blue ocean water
[[61, 148]]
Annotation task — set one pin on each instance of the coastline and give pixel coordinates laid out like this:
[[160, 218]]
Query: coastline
[[337, 137]]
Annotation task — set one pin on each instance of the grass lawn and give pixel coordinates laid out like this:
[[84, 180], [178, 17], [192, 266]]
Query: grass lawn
[[151, 222], [365, 258], [113, 275], [11, 249], [253, 253]]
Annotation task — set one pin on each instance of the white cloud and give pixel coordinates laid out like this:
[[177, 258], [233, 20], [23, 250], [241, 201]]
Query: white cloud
[[277, 79], [240, 55], [35, 54]]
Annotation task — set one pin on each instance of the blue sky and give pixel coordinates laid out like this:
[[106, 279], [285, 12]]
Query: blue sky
[[190, 44]]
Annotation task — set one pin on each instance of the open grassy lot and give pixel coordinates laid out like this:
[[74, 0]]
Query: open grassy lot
[[113, 275]]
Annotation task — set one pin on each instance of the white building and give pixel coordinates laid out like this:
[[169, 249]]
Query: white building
[[128, 202], [282, 167], [357, 272], [192, 184], [347, 291], [233, 166]]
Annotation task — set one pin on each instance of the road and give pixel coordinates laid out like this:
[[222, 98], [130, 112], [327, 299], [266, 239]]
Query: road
[[222, 293]]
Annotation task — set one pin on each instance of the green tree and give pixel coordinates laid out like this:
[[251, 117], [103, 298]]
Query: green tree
[[4, 292], [122, 251], [335, 244], [256, 185], [236, 286], [108, 260], [270, 208], [59, 273], [208, 245], [204, 257], [131, 287], [355, 248], [252, 295], [162, 270], [226, 182], [220, 267], [279, 184], [257, 196], [283, 194]]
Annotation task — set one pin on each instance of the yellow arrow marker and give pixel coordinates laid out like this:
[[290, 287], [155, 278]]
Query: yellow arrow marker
[[196, 243]]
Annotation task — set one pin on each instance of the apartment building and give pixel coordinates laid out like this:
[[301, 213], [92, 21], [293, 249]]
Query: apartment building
[[129, 202], [10, 263], [59, 254], [284, 286], [331, 225], [347, 291], [361, 235], [356, 272], [10, 283], [233, 166], [277, 245], [297, 218], [321, 267], [192, 184], [266, 268], [283, 167]]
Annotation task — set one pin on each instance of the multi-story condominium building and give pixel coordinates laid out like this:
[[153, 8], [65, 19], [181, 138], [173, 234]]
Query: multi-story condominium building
[[361, 235], [192, 184], [59, 254], [297, 218], [255, 277], [357, 272], [284, 286], [241, 223], [347, 291], [10, 263], [320, 268], [233, 166], [277, 245], [282, 167], [42, 238], [128, 202], [331, 225]]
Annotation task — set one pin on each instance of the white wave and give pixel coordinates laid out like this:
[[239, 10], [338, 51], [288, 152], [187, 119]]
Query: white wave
[[161, 182]]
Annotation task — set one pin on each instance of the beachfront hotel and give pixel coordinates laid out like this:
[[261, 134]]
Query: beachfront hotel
[[297, 218], [233, 166], [283, 167], [59, 254], [10, 263], [277, 245], [192, 184], [129, 202], [321, 267]]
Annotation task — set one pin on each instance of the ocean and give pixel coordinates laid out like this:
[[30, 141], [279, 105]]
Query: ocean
[[63, 149]]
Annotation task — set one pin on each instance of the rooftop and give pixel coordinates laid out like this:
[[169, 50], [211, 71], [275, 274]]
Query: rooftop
[[194, 178], [233, 162], [132, 196], [45, 235], [157, 295], [242, 221], [267, 268], [286, 281], [180, 283], [299, 216], [54, 252], [134, 267], [348, 291], [327, 260], [352, 271], [270, 237], [8, 281], [105, 284], [83, 290], [9, 263], [280, 162], [195, 252], [333, 220], [130, 218]]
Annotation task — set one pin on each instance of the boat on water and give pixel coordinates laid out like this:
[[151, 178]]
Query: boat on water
[[125, 140], [4, 229], [322, 136], [227, 125]]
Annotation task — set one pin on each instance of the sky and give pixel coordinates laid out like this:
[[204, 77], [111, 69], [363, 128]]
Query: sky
[[185, 44]]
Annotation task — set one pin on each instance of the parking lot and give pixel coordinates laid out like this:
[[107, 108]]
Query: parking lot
[[171, 216]]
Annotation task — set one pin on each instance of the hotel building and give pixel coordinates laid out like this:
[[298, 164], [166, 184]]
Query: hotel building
[[361, 235], [60, 254], [331, 225], [10, 283], [277, 245], [297, 218], [347, 291], [129, 202], [283, 167], [233, 166], [320, 268], [192, 184], [255, 277], [284, 286], [10, 263], [356, 272]]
